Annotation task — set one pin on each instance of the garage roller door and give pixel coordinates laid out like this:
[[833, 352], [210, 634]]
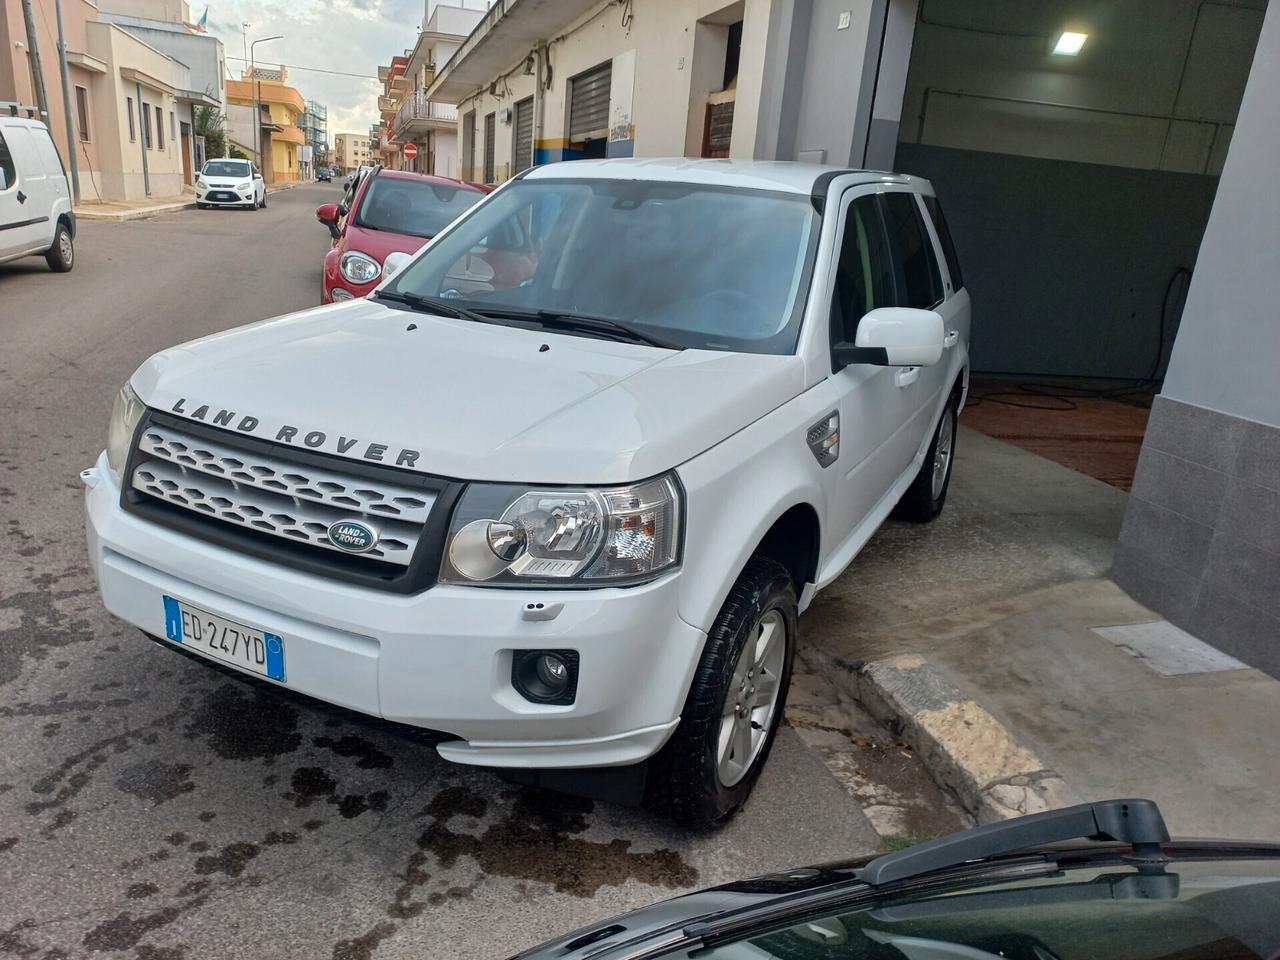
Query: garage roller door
[[589, 104], [524, 135]]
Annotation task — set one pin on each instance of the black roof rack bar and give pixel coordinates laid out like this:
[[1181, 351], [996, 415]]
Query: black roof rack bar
[[1136, 822], [13, 108]]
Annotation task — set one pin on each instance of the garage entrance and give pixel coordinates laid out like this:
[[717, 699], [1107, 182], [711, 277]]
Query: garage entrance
[[589, 111], [1076, 148]]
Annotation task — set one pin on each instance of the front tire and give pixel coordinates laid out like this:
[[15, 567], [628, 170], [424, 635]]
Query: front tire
[[706, 771], [61, 257], [927, 494]]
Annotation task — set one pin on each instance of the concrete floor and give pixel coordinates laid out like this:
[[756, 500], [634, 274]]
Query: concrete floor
[[1091, 427], [1002, 593]]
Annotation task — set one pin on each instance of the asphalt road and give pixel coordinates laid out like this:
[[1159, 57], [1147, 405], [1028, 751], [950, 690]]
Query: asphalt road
[[156, 809]]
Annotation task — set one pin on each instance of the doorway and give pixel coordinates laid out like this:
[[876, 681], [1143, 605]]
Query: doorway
[[187, 175]]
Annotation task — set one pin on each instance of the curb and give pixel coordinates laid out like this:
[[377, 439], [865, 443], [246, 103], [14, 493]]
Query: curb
[[138, 214], [965, 748]]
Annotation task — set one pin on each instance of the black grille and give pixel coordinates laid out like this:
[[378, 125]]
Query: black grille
[[414, 515]]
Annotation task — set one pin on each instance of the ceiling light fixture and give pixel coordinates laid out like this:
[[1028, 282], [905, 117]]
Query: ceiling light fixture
[[1069, 43]]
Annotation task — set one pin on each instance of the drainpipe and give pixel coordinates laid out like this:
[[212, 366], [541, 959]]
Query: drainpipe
[[538, 98], [142, 138]]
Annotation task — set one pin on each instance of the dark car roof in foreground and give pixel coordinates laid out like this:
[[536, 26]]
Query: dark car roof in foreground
[[744, 907]]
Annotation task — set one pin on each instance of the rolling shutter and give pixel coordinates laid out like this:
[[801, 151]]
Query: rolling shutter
[[589, 104], [524, 135], [490, 129]]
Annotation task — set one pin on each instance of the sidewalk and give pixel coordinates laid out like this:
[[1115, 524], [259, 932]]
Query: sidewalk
[[152, 206], [977, 638], [133, 209]]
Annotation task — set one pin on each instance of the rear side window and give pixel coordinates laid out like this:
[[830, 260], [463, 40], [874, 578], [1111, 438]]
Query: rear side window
[[864, 272], [944, 235], [919, 280], [6, 164]]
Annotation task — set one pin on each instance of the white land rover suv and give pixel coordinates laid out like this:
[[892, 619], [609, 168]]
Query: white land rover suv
[[561, 486]]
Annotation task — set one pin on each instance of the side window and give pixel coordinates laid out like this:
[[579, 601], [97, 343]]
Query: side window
[[7, 168], [919, 280], [864, 270], [948, 246]]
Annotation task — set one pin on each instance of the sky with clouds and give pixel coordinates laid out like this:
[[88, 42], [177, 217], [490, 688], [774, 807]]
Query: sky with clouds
[[352, 36]]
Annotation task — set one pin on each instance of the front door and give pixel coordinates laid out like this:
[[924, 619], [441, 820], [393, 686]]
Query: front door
[[877, 405], [186, 153]]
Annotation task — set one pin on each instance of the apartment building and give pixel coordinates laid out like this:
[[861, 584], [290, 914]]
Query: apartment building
[[263, 113], [131, 101], [351, 150], [408, 115]]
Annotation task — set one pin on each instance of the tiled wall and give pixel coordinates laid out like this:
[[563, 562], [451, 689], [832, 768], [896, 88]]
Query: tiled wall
[[1201, 537]]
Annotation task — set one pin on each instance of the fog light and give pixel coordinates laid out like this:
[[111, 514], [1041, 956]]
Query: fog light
[[545, 676]]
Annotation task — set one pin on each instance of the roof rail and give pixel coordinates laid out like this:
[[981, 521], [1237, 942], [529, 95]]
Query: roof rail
[[1136, 822], [12, 107]]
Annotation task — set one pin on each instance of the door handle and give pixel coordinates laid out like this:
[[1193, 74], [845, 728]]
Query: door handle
[[22, 197], [906, 376], [951, 339]]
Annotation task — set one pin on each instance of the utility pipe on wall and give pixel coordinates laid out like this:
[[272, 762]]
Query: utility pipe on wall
[[142, 138]]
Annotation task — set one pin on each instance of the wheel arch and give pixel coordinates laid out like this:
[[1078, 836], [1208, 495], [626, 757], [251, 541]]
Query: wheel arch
[[794, 540], [67, 220]]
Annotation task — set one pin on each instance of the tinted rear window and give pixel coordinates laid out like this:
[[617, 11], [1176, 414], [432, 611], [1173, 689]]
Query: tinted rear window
[[920, 282], [415, 207], [944, 235]]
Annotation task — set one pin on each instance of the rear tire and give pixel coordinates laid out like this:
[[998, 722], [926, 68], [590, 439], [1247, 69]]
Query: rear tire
[[62, 255], [263, 204], [927, 494], [704, 773]]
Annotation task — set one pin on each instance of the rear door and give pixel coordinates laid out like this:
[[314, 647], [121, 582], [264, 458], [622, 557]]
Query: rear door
[[24, 204], [919, 285]]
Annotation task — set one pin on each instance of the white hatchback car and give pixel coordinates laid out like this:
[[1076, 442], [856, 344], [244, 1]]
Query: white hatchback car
[[568, 516], [230, 183], [35, 200]]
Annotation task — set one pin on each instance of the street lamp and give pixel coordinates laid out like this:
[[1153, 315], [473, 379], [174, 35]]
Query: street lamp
[[257, 115]]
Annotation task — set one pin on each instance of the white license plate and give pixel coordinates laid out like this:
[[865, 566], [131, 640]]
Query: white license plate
[[221, 639]]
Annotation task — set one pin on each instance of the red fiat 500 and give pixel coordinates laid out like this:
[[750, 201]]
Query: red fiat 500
[[386, 211]]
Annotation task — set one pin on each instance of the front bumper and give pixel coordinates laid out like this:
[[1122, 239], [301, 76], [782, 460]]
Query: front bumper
[[227, 197], [440, 659]]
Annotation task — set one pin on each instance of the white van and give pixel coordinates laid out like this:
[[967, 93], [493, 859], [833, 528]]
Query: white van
[[35, 200]]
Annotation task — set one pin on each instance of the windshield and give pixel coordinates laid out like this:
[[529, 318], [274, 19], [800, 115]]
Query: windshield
[[226, 168], [416, 207], [1190, 911], [699, 266]]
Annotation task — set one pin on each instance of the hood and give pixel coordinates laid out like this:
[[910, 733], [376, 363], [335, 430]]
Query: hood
[[379, 243], [466, 400]]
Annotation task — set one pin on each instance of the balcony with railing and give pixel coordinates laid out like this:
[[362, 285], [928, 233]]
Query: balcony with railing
[[417, 114]]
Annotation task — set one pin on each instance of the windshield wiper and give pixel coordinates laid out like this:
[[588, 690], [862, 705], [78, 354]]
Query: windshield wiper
[[436, 305], [584, 322]]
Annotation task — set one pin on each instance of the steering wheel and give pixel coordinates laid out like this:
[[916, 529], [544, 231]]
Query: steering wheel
[[755, 323]]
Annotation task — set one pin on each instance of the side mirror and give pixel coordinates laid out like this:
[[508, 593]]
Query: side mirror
[[328, 214], [394, 264], [895, 337]]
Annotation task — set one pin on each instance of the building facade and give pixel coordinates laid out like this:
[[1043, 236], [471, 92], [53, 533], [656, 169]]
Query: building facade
[[132, 98], [273, 137], [351, 150], [408, 114]]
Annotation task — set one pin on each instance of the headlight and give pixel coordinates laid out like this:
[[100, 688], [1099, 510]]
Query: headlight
[[124, 419], [359, 268], [244, 186], [200, 183], [502, 535]]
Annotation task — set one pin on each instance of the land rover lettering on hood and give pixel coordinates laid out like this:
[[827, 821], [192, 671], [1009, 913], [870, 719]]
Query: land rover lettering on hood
[[612, 430]]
